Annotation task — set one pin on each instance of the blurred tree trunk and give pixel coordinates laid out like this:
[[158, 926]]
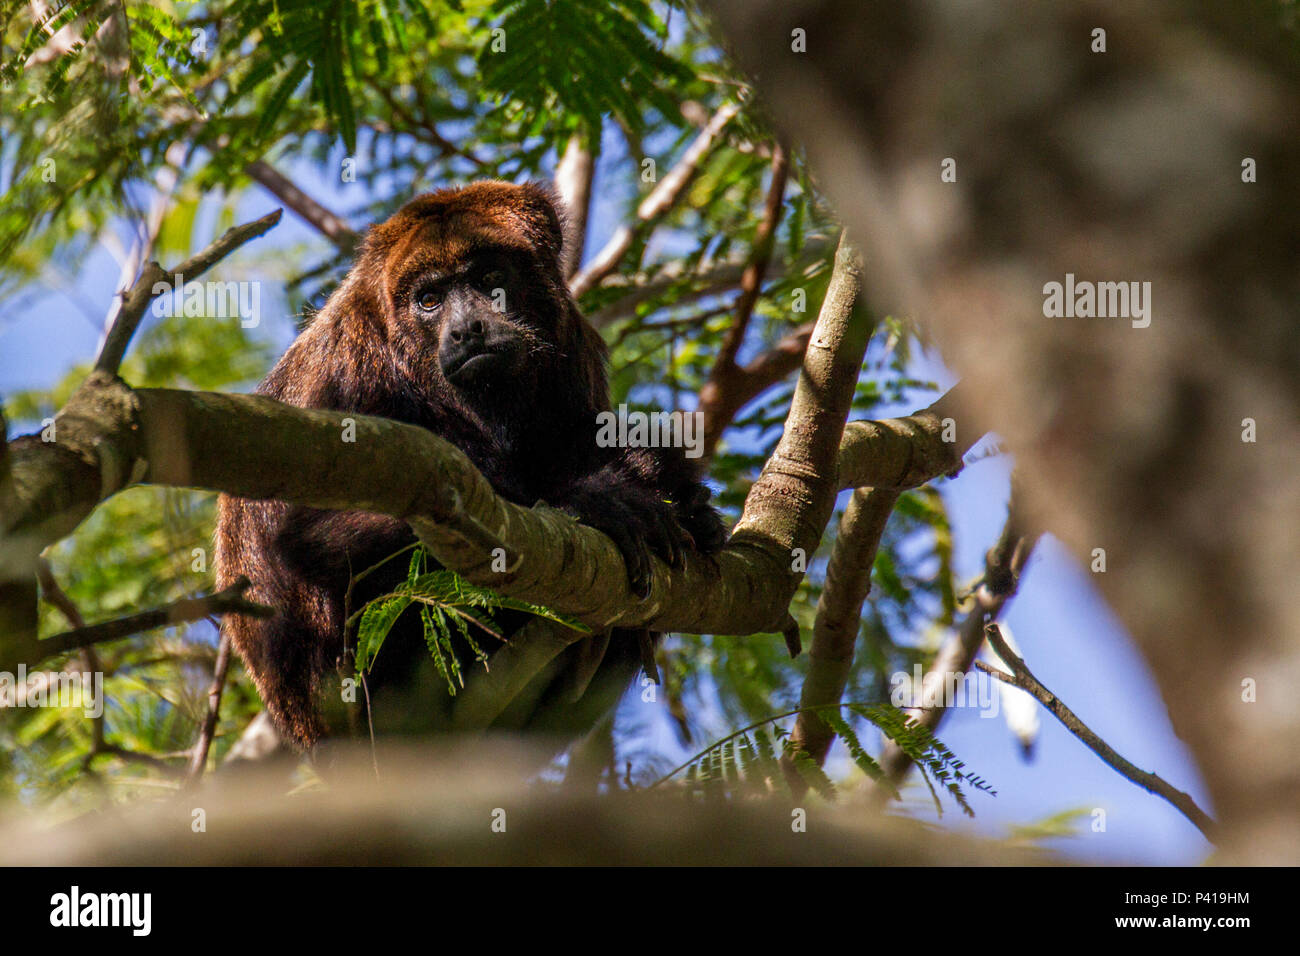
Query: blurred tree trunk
[[1122, 165]]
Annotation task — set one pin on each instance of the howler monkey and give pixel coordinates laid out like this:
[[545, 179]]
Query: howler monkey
[[455, 317]]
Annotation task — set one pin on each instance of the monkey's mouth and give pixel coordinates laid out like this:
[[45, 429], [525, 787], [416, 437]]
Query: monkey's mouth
[[474, 368]]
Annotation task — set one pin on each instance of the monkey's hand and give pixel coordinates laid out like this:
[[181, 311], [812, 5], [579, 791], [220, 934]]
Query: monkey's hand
[[699, 519], [635, 519], [648, 502]]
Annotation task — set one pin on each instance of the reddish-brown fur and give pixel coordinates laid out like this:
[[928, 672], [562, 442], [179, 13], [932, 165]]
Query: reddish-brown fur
[[528, 424]]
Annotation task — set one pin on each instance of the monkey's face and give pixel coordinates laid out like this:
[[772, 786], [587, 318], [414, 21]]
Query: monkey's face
[[474, 290], [463, 291], [480, 340]]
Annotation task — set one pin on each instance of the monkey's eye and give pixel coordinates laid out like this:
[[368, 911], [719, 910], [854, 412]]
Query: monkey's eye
[[429, 299]]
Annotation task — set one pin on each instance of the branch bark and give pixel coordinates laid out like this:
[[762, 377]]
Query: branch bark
[[110, 436], [836, 625], [792, 500]]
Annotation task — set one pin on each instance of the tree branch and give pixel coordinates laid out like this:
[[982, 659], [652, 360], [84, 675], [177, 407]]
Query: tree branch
[[573, 177], [794, 496], [141, 294], [328, 224], [1023, 678], [661, 199], [717, 406], [838, 620], [110, 436], [208, 730], [55, 596], [751, 282], [228, 601]]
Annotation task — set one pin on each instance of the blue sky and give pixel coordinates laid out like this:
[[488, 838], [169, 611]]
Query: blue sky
[[1068, 635]]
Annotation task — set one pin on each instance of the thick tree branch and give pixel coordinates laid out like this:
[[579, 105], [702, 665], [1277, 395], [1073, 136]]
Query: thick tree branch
[[429, 811], [838, 620], [903, 453], [110, 436]]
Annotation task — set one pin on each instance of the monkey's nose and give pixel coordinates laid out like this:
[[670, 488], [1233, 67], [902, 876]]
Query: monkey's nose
[[461, 329]]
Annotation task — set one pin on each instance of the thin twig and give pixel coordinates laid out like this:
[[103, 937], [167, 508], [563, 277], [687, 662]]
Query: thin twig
[[751, 282], [229, 601], [1003, 566], [327, 223], [142, 293], [661, 199], [55, 596], [199, 756], [728, 387], [1024, 679]]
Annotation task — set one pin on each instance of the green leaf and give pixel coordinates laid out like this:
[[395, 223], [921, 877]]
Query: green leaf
[[377, 620]]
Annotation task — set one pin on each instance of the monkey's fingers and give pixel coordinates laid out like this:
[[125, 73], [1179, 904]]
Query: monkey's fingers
[[665, 537], [637, 558]]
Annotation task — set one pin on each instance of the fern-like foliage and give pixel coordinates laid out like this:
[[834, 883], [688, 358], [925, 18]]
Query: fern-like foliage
[[581, 58], [746, 763], [331, 44], [450, 608]]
